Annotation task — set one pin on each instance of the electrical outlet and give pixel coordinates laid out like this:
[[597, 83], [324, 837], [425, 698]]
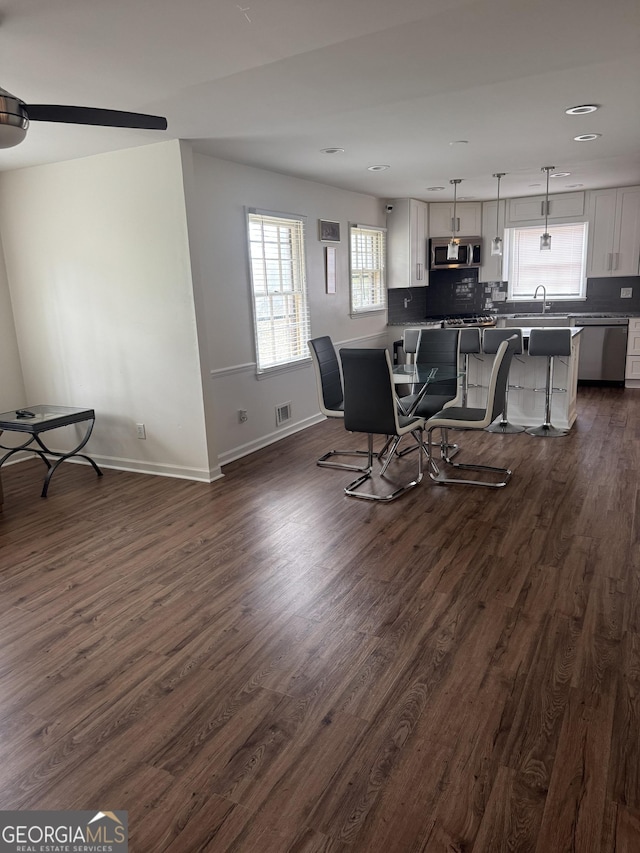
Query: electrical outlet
[[626, 292], [140, 431], [242, 416]]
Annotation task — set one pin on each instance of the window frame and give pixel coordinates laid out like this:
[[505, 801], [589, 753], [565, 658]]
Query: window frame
[[381, 305], [552, 292], [299, 286]]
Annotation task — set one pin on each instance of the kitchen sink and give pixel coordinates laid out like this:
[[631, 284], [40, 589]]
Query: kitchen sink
[[535, 320]]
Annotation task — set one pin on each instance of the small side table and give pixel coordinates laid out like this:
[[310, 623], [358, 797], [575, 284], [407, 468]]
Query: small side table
[[39, 419]]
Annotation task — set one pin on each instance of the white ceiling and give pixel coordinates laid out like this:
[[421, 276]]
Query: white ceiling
[[271, 82]]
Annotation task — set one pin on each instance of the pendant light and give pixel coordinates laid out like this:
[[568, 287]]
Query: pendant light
[[545, 239], [496, 243], [452, 246]]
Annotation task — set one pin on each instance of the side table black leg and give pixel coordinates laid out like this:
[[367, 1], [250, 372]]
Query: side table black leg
[[64, 456]]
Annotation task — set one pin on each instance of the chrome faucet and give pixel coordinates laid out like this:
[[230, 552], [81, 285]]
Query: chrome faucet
[[544, 297]]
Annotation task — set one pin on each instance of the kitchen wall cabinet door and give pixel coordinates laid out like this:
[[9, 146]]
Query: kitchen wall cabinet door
[[531, 210], [614, 241], [468, 219], [407, 243]]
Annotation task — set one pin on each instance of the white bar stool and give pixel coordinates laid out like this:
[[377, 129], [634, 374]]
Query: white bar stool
[[549, 343]]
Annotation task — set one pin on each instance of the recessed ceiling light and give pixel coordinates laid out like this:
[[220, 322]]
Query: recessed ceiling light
[[581, 110], [434, 189], [459, 142], [560, 175], [332, 150], [587, 137], [380, 168]]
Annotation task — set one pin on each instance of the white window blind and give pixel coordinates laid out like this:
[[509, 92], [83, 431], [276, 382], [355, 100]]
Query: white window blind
[[368, 261], [279, 287], [562, 270]]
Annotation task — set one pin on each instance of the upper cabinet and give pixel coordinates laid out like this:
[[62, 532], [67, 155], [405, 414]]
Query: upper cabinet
[[468, 219], [614, 241], [531, 209], [407, 243]]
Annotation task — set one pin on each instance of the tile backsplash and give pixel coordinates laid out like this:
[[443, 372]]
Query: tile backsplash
[[452, 294]]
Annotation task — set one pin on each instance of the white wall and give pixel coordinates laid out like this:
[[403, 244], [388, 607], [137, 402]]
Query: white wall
[[12, 393], [220, 190], [98, 265]]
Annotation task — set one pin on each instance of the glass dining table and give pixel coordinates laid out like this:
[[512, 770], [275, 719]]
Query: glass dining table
[[420, 376]]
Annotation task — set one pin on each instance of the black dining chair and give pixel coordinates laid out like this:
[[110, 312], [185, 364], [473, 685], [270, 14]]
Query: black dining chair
[[491, 340], [467, 418], [437, 348], [370, 406], [330, 397]]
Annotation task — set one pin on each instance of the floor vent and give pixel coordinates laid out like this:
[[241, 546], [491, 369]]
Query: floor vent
[[283, 414]]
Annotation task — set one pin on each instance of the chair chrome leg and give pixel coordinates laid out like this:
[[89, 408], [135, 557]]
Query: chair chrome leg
[[352, 488], [343, 466], [439, 476]]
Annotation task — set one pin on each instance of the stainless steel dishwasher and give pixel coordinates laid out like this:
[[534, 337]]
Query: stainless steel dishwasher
[[603, 349]]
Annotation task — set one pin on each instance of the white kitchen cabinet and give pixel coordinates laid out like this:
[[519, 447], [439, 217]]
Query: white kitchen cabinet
[[407, 243], [468, 219], [614, 241], [531, 210], [632, 372]]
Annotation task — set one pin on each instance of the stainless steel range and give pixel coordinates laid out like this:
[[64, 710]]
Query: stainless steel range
[[476, 321]]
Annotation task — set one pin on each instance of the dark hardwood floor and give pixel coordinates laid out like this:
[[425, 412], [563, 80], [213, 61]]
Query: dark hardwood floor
[[265, 665]]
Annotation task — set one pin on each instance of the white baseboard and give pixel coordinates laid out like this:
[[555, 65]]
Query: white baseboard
[[180, 472], [266, 440], [159, 469]]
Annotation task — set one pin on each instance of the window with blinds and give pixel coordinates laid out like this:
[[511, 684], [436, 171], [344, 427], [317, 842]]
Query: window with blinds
[[562, 270], [367, 262], [279, 288]]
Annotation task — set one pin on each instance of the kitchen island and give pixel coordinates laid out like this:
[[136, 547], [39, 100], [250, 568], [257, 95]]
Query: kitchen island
[[527, 378]]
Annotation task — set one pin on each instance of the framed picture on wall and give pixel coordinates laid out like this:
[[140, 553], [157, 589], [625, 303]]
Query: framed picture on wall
[[330, 268], [329, 231]]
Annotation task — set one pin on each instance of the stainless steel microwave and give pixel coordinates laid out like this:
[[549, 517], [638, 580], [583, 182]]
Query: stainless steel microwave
[[469, 253]]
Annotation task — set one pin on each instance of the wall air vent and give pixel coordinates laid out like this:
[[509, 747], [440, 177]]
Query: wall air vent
[[283, 413]]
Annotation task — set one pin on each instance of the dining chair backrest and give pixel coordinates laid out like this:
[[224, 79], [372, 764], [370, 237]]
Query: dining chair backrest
[[369, 398], [500, 376], [439, 348], [328, 379]]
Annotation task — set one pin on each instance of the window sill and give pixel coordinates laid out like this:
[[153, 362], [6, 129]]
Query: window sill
[[282, 368], [354, 315]]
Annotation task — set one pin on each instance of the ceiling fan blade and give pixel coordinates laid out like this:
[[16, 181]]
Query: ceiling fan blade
[[94, 115]]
